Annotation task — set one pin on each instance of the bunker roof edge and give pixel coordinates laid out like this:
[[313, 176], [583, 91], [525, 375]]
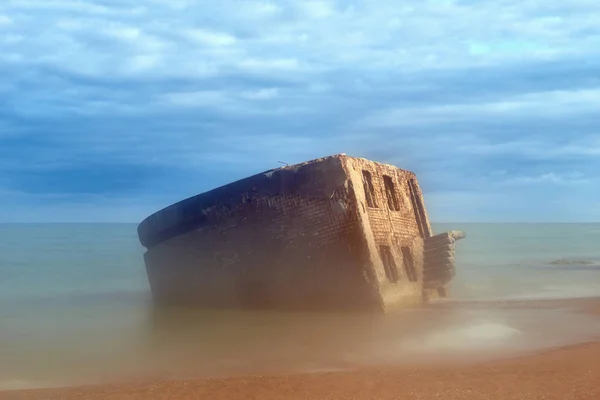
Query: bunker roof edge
[[146, 225]]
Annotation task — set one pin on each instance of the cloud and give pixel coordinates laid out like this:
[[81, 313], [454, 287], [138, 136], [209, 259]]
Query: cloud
[[548, 105], [486, 101], [317, 9], [25, 208], [370, 32], [195, 99], [261, 94], [552, 178], [210, 38], [275, 64], [539, 149], [4, 20]]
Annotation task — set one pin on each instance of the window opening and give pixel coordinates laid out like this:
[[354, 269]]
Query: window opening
[[391, 271], [409, 266], [418, 209], [369, 189], [390, 191]]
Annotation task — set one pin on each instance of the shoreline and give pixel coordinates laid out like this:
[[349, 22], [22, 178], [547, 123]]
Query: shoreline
[[563, 372]]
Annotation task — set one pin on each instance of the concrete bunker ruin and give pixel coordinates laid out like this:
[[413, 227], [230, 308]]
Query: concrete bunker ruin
[[335, 233]]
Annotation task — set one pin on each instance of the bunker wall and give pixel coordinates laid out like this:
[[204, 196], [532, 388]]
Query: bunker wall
[[289, 238]]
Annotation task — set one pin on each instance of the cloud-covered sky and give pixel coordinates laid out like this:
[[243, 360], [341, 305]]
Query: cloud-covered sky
[[112, 109]]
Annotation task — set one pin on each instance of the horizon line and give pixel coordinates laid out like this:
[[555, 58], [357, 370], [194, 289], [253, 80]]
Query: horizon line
[[433, 222]]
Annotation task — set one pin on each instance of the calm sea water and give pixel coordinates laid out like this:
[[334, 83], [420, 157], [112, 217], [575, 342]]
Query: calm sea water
[[74, 308]]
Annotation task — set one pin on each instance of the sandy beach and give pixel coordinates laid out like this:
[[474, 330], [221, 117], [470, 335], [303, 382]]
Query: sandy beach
[[569, 372]]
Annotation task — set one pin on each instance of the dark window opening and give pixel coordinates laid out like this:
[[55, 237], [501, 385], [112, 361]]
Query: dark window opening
[[409, 266], [390, 191], [418, 209], [369, 189], [391, 271]]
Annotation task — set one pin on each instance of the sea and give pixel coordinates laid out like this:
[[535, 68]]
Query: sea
[[75, 308]]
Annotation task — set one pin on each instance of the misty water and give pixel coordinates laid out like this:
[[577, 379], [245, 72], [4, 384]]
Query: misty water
[[75, 308]]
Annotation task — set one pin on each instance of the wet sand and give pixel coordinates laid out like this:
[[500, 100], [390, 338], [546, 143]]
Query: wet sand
[[571, 372]]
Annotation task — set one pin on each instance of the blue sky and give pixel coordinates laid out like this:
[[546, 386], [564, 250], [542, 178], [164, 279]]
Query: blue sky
[[112, 109]]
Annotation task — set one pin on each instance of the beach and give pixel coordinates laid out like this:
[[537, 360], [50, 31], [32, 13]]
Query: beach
[[565, 372]]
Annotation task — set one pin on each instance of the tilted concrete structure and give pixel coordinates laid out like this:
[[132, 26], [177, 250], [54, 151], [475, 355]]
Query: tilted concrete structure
[[336, 233]]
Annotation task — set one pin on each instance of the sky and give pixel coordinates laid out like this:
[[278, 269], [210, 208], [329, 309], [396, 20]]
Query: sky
[[113, 109]]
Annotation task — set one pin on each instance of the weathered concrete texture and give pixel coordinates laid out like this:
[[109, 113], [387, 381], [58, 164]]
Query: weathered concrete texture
[[389, 223], [439, 268], [333, 233]]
